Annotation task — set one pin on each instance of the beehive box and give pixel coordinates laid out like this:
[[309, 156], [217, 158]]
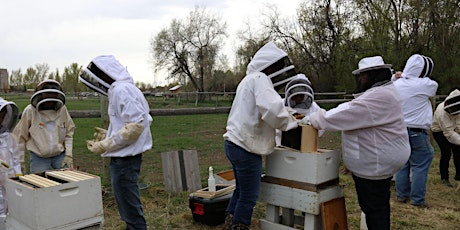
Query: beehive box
[[303, 138], [314, 168], [54, 200]]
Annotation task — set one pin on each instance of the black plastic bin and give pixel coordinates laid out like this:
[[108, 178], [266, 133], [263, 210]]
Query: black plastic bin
[[209, 211]]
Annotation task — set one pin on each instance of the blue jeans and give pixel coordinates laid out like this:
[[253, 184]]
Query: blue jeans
[[247, 169], [124, 174], [41, 164], [419, 163]]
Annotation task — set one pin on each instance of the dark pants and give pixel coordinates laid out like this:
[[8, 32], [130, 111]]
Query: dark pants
[[447, 150], [374, 200], [124, 174]]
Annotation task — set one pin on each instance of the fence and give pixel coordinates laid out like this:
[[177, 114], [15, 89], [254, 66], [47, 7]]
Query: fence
[[220, 102]]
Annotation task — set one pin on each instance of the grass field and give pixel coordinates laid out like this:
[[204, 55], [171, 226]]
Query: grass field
[[204, 134]]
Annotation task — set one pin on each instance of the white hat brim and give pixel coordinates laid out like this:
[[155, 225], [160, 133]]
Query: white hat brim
[[384, 66]]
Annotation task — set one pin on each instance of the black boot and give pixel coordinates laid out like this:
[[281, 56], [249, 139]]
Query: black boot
[[228, 221], [239, 226]]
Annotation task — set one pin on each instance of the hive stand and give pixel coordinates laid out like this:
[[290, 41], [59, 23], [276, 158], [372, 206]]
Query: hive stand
[[299, 188]]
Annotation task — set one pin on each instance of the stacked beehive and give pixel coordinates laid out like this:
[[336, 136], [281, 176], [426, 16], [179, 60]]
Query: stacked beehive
[[62, 199]]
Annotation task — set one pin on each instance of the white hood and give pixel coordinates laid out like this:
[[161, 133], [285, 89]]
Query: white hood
[[264, 57], [418, 66], [112, 67]]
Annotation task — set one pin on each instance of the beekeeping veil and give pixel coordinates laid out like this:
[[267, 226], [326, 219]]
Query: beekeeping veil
[[101, 72], [418, 66], [48, 96], [374, 70], [274, 62], [300, 85], [452, 103], [9, 113]]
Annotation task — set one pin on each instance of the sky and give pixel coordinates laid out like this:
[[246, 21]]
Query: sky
[[62, 32]]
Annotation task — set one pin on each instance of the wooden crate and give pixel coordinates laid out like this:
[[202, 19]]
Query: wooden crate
[[221, 190]]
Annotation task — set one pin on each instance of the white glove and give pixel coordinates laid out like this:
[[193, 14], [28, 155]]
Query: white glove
[[68, 159], [99, 147], [304, 121], [128, 134], [100, 134]]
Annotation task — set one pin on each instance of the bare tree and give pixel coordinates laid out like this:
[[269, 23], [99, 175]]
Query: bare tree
[[318, 40], [188, 48]]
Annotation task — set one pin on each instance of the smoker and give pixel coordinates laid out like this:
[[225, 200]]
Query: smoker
[[61, 199], [300, 182]]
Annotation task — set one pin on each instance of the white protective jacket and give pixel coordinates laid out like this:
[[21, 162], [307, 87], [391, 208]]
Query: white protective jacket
[[258, 110], [415, 93], [10, 154], [446, 123], [127, 104], [375, 143], [43, 132]]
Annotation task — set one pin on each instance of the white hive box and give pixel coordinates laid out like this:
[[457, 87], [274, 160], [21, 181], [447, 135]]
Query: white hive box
[[313, 168], [73, 201]]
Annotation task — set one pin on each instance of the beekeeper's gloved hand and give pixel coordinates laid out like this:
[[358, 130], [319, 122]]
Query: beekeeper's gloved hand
[[95, 146], [68, 158], [304, 121], [100, 134], [128, 134], [290, 110]]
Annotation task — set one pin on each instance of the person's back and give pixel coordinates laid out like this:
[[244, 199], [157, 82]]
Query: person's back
[[374, 139], [256, 112], [415, 87]]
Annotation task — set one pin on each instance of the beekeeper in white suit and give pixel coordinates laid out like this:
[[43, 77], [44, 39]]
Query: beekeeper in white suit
[[375, 143], [46, 129], [11, 154], [128, 134], [300, 97], [257, 111]]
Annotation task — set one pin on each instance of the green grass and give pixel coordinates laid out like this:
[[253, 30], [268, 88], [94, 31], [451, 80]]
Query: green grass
[[203, 133]]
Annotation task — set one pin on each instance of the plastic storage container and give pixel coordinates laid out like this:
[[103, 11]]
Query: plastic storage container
[[209, 211]]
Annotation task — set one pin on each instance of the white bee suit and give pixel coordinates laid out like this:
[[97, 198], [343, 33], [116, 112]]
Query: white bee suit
[[258, 110], [129, 129], [127, 105]]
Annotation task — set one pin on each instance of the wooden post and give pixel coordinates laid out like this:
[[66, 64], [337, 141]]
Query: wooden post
[[181, 171], [105, 124]]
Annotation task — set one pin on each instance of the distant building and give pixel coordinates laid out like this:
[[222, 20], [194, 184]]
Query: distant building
[[4, 81], [175, 89]]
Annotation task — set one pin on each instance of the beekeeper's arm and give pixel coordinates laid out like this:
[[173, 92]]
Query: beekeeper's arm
[[18, 159], [22, 135], [68, 141], [271, 107], [127, 135]]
